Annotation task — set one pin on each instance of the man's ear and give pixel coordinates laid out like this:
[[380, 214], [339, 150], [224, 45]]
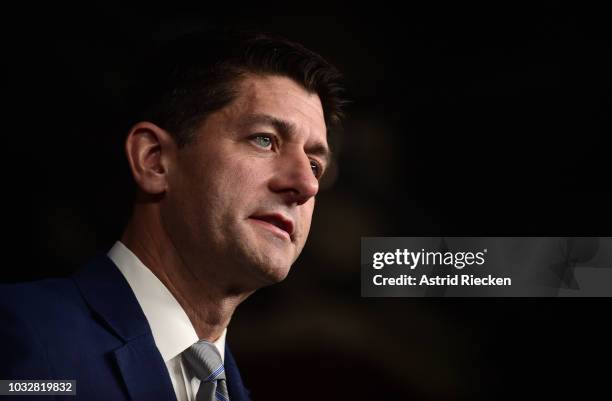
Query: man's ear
[[150, 151]]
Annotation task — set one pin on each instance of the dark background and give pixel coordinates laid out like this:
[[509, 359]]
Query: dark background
[[467, 122]]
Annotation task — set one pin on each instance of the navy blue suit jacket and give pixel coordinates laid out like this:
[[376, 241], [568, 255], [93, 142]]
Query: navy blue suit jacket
[[89, 328]]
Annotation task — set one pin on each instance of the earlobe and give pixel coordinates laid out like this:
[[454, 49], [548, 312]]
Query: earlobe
[[148, 149]]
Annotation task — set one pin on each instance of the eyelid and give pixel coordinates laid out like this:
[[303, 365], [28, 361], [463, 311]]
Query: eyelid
[[322, 168], [273, 138]]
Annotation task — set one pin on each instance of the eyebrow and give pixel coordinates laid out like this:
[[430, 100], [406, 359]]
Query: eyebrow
[[287, 128]]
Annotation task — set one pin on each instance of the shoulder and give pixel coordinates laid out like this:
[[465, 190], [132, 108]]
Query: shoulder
[[38, 297], [42, 304], [31, 315], [48, 329]]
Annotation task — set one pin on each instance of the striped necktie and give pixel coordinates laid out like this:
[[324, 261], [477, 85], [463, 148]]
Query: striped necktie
[[204, 360]]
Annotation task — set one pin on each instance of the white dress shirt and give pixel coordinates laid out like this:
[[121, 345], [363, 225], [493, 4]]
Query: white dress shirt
[[172, 330]]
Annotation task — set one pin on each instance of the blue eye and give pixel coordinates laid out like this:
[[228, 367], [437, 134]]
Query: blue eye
[[316, 169], [263, 140]]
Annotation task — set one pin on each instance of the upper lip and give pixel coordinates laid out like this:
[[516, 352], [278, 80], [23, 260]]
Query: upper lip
[[279, 220]]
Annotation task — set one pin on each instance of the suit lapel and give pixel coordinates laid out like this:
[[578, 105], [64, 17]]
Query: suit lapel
[[235, 387], [144, 371], [141, 365]]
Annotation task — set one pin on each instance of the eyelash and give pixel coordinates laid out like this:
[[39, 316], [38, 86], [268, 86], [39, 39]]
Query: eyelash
[[270, 137], [313, 163]]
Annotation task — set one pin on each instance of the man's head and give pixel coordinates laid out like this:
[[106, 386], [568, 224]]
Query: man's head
[[199, 73], [232, 152]]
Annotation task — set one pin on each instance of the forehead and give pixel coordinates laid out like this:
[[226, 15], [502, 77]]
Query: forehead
[[279, 97]]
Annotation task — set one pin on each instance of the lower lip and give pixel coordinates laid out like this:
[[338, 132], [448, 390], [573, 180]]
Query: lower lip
[[271, 227]]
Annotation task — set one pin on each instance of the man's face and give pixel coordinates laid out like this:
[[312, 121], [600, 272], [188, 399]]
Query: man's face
[[240, 199]]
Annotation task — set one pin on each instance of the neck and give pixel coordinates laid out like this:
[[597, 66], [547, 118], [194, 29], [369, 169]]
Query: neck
[[209, 307]]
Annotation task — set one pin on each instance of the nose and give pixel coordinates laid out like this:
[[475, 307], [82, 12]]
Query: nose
[[293, 179]]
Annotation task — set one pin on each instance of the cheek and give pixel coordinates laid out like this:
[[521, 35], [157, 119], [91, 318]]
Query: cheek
[[236, 184], [306, 216]]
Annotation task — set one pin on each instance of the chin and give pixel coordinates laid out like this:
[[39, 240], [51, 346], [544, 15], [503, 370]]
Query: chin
[[272, 274], [267, 262]]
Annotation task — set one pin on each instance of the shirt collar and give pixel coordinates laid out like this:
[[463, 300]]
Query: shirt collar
[[172, 330]]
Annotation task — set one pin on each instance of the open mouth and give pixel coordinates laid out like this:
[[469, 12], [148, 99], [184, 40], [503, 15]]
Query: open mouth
[[276, 222]]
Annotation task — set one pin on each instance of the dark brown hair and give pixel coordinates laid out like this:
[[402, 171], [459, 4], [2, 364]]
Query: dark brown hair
[[198, 73]]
